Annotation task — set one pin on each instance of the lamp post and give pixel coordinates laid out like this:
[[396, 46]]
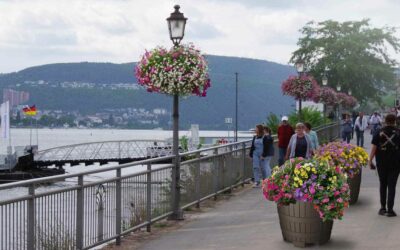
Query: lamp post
[[300, 69], [338, 88], [176, 26], [236, 107], [325, 83], [396, 101]]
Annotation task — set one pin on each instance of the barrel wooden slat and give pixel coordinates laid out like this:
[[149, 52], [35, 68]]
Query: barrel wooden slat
[[354, 184], [301, 225]]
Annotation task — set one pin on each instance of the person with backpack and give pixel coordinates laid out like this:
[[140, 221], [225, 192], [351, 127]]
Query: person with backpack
[[386, 150], [259, 151]]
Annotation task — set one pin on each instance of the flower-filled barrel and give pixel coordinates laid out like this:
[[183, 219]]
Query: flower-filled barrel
[[350, 158], [309, 194]]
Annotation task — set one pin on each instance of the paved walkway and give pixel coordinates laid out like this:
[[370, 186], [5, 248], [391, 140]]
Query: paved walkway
[[248, 221]]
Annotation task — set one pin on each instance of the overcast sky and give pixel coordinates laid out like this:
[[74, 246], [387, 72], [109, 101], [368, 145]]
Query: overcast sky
[[36, 32]]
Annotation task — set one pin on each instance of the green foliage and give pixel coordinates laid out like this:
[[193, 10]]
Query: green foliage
[[311, 115], [355, 53], [184, 143], [273, 122]]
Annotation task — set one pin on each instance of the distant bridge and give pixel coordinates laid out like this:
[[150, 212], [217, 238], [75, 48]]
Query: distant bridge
[[103, 152]]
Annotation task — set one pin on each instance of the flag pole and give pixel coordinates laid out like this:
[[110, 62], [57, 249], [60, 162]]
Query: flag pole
[[30, 137], [37, 134]]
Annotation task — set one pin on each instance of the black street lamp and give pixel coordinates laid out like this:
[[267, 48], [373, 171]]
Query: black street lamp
[[325, 79], [176, 27], [300, 69]]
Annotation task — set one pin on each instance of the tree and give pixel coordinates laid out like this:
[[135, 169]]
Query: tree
[[355, 54]]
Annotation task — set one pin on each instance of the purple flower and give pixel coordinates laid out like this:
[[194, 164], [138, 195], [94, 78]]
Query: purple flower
[[298, 194]]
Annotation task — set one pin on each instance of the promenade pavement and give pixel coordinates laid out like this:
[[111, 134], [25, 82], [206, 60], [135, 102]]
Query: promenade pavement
[[248, 221]]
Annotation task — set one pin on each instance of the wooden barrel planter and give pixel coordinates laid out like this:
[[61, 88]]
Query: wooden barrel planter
[[301, 225], [354, 185]]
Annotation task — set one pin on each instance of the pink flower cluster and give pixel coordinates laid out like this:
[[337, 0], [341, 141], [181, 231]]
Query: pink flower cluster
[[180, 71], [326, 95], [346, 100], [301, 88]]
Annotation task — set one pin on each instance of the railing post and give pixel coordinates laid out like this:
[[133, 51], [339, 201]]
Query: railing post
[[119, 150], [231, 168], [216, 172], [118, 210], [80, 213], [100, 211], [31, 244], [243, 163], [197, 180], [148, 200]]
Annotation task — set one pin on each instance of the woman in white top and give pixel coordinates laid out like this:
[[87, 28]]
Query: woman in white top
[[360, 125]]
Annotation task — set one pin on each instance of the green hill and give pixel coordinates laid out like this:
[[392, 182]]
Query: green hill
[[259, 90]]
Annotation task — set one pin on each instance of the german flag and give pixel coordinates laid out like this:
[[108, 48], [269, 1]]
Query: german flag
[[30, 111]]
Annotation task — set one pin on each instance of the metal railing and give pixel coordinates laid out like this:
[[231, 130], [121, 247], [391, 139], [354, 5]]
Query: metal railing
[[87, 209], [106, 150]]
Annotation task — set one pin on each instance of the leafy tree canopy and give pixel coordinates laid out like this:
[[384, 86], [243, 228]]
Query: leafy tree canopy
[[356, 56]]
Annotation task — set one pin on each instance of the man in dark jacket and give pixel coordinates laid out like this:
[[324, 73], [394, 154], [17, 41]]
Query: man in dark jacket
[[386, 149], [285, 132]]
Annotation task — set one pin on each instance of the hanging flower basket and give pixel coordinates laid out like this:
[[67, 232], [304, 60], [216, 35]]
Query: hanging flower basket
[[350, 102], [181, 71], [301, 88], [341, 98], [326, 95]]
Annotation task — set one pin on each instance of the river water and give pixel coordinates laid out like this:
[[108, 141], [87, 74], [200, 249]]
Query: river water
[[49, 138]]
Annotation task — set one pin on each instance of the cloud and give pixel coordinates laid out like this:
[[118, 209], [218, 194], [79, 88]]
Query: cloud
[[43, 31]]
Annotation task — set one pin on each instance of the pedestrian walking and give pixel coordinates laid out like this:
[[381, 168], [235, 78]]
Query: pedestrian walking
[[313, 135], [258, 153], [386, 150], [285, 131], [376, 122], [360, 125], [299, 144], [347, 128], [270, 151], [353, 119]]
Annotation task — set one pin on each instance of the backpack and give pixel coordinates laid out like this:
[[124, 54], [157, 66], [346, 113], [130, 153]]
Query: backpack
[[389, 140]]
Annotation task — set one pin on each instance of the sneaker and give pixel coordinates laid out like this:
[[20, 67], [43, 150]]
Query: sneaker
[[256, 185], [382, 211], [391, 213]]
